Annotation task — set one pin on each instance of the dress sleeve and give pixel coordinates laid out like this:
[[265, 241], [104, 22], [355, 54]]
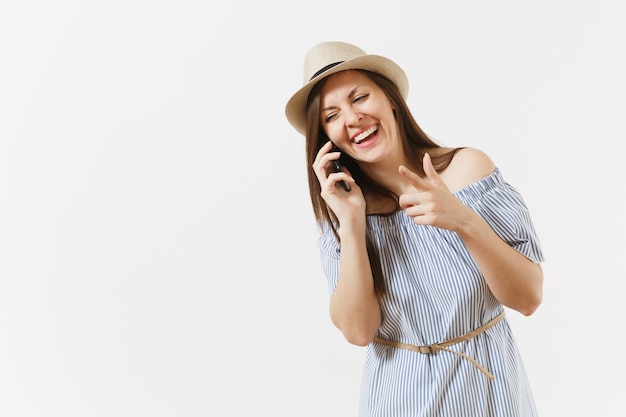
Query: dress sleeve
[[329, 256], [504, 209]]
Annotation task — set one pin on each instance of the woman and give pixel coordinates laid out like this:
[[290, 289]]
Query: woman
[[423, 249]]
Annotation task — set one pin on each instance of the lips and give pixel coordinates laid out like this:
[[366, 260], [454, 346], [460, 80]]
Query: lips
[[365, 135]]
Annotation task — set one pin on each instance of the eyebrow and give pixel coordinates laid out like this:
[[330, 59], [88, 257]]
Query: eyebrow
[[350, 95]]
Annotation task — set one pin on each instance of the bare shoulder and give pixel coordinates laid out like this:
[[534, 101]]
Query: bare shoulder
[[468, 166]]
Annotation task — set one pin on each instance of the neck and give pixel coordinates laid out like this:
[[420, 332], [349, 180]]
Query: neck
[[386, 173]]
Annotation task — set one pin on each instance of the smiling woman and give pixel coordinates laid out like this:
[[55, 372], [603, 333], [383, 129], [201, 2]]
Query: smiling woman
[[156, 253], [422, 253]]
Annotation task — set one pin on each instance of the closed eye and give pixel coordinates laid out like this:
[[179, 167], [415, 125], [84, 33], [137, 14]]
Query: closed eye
[[360, 97], [330, 117]]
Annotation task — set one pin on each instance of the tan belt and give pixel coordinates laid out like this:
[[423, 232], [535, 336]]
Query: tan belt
[[435, 347]]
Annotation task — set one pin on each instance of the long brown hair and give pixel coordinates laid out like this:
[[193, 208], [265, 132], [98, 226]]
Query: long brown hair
[[414, 142]]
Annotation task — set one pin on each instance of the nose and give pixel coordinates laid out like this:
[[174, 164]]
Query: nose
[[353, 118]]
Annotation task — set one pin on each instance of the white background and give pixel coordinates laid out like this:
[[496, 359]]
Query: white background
[[157, 245]]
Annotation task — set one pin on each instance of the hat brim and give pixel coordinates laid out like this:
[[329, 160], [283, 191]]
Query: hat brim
[[295, 110]]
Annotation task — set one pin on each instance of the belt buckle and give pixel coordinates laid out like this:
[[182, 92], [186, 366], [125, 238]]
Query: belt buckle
[[426, 349]]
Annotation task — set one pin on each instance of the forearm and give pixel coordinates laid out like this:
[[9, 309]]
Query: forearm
[[354, 306], [516, 281]]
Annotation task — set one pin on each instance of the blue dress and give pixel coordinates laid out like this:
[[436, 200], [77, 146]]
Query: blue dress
[[435, 292]]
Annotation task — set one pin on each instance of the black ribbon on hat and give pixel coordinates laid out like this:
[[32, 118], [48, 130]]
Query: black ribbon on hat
[[326, 68]]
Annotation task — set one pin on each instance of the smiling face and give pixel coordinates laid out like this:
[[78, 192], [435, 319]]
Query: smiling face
[[358, 117]]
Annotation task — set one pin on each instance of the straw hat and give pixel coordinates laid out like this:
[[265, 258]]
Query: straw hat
[[328, 58]]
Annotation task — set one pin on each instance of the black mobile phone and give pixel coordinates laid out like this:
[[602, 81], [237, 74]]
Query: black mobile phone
[[337, 168]]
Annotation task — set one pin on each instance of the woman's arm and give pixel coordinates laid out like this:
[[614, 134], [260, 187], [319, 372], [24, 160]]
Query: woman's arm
[[354, 306], [516, 281]]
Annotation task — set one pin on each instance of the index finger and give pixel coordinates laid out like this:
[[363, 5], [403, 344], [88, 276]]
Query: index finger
[[416, 179], [323, 150]]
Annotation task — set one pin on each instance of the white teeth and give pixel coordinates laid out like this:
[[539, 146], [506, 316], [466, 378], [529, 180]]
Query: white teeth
[[364, 134]]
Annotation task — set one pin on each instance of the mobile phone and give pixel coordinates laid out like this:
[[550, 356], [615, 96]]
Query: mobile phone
[[337, 168]]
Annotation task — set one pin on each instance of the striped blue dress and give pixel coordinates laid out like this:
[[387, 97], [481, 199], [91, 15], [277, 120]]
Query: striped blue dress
[[435, 292]]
